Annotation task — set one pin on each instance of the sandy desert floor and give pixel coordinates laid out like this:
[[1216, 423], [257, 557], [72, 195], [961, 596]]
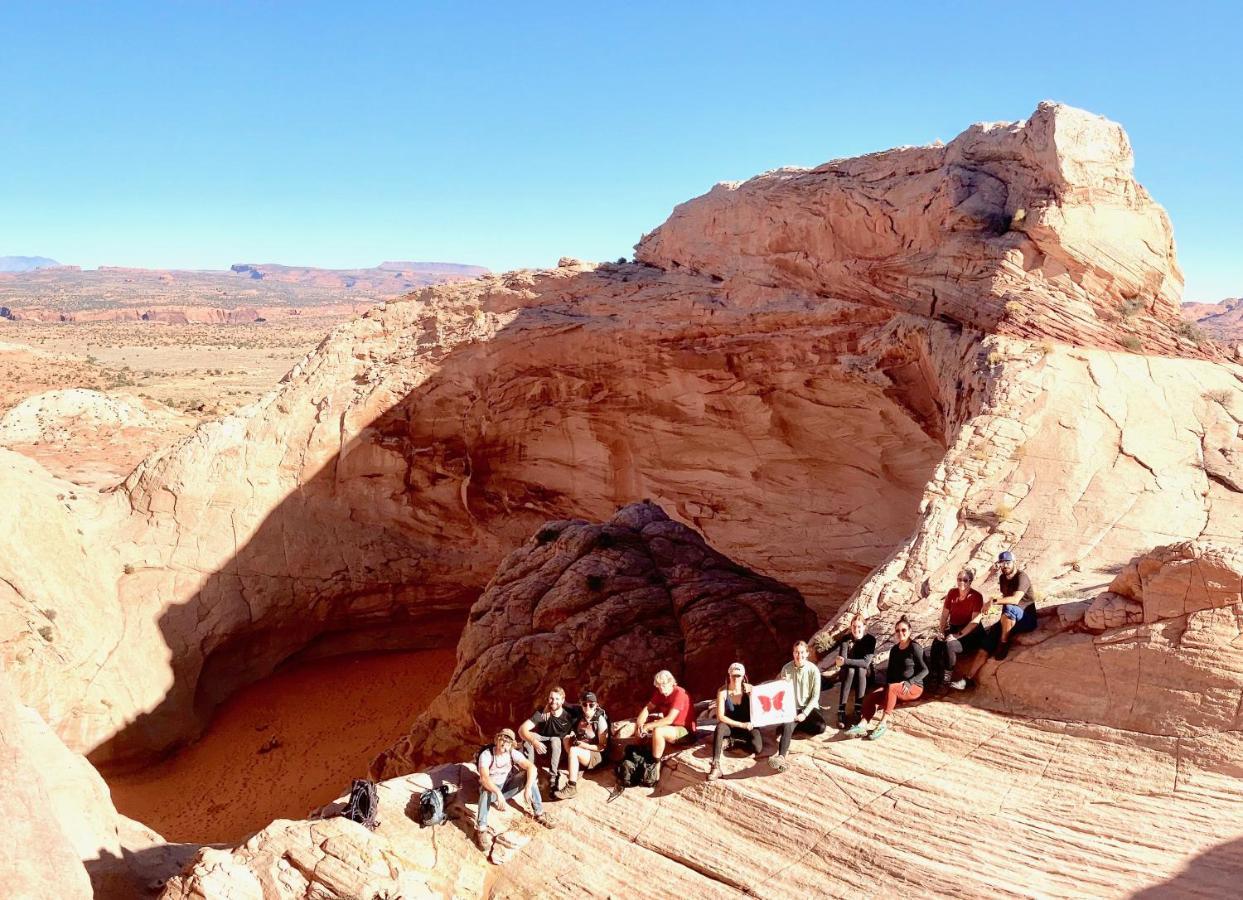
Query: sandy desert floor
[[283, 746]]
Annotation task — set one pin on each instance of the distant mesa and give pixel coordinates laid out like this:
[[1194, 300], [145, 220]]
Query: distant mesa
[[1222, 320], [26, 263]]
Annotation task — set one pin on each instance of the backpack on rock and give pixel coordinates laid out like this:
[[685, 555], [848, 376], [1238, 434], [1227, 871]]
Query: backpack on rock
[[433, 806], [364, 804]]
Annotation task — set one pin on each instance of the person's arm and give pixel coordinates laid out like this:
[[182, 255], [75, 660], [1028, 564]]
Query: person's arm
[[720, 710], [811, 675], [527, 734], [921, 665], [1021, 590], [485, 780], [867, 644], [529, 768], [602, 734], [945, 615], [640, 721]]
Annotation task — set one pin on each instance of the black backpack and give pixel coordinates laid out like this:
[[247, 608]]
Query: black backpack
[[364, 804], [638, 768], [432, 806]]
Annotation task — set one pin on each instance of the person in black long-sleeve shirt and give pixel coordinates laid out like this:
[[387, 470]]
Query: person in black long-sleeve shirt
[[852, 667], [907, 670]]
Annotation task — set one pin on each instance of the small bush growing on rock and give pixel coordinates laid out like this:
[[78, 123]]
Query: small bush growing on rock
[[1131, 307], [127, 569], [46, 633], [1132, 343], [1219, 395], [1192, 332], [1004, 511], [1046, 347], [1014, 309], [544, 535], [995, 358], [49, 614]]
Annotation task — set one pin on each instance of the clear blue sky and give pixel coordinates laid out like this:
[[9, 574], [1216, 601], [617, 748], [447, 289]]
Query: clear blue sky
[[181, 134]]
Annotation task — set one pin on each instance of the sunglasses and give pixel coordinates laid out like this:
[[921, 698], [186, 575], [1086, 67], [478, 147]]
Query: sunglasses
[[591, 703]]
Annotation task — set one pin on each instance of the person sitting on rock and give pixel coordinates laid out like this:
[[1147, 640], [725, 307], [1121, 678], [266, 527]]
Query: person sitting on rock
[[804, 675], [960, 626], [585, 747], [733, 713], [906, 672], [671, 706], [1018, 610], [544, 732], [851, 661], [504, 772]]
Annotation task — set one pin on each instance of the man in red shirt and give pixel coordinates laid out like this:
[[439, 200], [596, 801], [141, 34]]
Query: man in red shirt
[[671, 706]]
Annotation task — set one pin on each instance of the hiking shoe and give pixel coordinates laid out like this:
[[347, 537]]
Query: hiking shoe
[[859, 729], [484, 838], [959, 685], [778, 763], [714, 773], [568, 792], [879, 731], [546, 821], [1002, 651]]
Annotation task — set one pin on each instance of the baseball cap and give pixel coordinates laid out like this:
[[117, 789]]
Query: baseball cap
[[588, 697], [1006, 556], [737, 669], [508, 734]]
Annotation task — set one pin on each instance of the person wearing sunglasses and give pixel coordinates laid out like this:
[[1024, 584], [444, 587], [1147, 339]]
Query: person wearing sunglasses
[[906, 672], [733, 714], [504, 772], [961, 629], [585, 748]]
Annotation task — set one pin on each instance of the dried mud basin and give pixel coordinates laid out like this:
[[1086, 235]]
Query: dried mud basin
[[283, 746]]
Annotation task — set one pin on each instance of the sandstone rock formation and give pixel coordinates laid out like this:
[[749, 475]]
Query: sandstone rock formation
[[603, 607], [1082, 810], [88, 437], [853, 379]]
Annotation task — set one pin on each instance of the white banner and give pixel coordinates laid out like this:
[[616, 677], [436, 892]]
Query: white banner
[[772, 703]]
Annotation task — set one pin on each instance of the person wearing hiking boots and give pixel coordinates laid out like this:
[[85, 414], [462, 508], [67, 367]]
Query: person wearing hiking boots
[[1018, 604], [961, 628], [804, 675], [906, 672], [545, 731], [851, 660], [585, 747], [733, 714], [504, 772], [671, 706]]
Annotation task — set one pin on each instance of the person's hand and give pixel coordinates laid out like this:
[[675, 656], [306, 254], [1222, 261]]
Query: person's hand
[[906, 688], [498, 800], [540, 748], [642, 732], [800, 717], [841, 661]]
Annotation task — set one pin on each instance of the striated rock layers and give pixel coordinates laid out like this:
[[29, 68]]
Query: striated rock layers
[[603, 607], [852, 379]]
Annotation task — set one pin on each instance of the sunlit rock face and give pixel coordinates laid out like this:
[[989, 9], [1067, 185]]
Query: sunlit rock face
[[852, 380]]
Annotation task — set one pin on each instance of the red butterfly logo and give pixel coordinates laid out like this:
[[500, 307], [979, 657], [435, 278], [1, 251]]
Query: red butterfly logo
[[768, 704]]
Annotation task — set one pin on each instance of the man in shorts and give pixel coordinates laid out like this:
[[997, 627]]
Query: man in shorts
[[671, 707], [585, 747]]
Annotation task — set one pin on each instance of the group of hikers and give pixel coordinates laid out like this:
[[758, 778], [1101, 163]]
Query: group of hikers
[[580, 732]]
